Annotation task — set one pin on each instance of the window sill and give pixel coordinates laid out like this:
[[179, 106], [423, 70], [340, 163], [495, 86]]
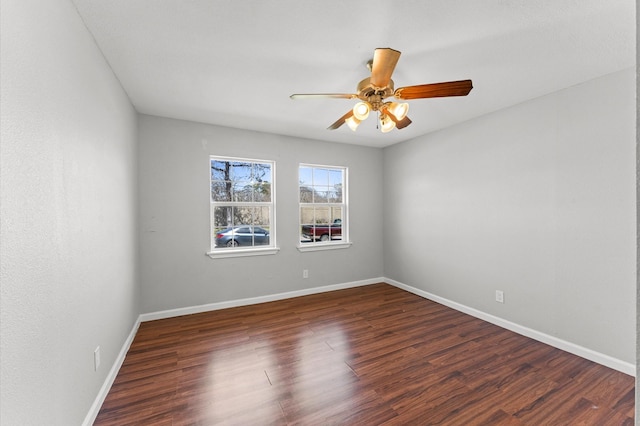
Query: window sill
[[224, 253], [324, 246]]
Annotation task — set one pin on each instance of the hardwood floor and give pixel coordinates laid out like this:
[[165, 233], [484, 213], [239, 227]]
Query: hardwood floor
[[370, 355]]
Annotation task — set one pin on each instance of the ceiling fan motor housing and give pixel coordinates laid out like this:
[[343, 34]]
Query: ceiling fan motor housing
[[374, 95]]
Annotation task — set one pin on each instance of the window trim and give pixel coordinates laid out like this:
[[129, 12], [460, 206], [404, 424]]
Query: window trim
[[319, 246], [327, 245], [227, 252], [240, 252]]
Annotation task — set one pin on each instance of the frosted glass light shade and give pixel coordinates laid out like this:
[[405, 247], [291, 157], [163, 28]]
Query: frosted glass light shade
[[361, 110], [399, 111], [386, 123], [352, 122]]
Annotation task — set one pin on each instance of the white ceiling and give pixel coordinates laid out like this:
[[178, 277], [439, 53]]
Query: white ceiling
[[235, 62]]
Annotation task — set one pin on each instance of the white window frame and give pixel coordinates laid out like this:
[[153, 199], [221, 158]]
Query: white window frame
[[225, 252], [345, 242]]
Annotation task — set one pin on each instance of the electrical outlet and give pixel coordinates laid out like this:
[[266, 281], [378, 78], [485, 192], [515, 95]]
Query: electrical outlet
[[96, 358], [499, 296], [305, 273]]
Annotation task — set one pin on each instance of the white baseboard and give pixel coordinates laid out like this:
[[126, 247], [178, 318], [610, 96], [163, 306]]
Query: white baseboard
[[111, 377], [578, 350], [253, 300]]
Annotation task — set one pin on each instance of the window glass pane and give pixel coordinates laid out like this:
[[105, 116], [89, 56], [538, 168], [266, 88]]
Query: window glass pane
[[320, 194], [261, 172], [307, 224], [222, 218], [220, 191], [336, 215], [306, 176], [240, 171], [306, 194], [320, 177], [335, 177], [307, 216], [262, 192], [220, 170], [335, 195], [322, 215], [242, 191], [220, 183], [336, 223], [261, 217]]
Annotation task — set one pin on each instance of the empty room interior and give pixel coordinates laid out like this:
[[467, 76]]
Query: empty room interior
[[288, 212]]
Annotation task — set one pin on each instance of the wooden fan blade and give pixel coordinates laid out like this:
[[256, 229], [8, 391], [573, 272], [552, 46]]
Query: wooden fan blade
[[384, 62], [340, 121], [323, 95], [435, 90], [401, 124]]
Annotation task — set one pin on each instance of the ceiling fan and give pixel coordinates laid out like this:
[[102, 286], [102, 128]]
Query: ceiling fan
[[372, 92]]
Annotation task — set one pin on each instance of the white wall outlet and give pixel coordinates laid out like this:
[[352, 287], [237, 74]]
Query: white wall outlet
[[305, 273], [499, 296], [96, 358]]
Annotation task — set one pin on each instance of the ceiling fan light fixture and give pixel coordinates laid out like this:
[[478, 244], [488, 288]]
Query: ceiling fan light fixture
[[375, 89], [386, 123], [352, 122], [399, 110], [361, 110]]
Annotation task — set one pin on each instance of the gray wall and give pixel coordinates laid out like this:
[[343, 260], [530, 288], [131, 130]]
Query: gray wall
[[174, 216], [637, 210], [68, 215], [537, 200]]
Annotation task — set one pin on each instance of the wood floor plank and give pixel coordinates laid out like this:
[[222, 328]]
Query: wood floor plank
[[369, 355]]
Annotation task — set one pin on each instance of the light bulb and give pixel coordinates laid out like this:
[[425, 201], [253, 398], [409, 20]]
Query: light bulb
[[361, 110], [399, 111], [352, 122], [386, 123]]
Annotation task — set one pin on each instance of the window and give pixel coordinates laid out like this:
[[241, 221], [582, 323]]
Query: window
[[242, 207], [323, 206]]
